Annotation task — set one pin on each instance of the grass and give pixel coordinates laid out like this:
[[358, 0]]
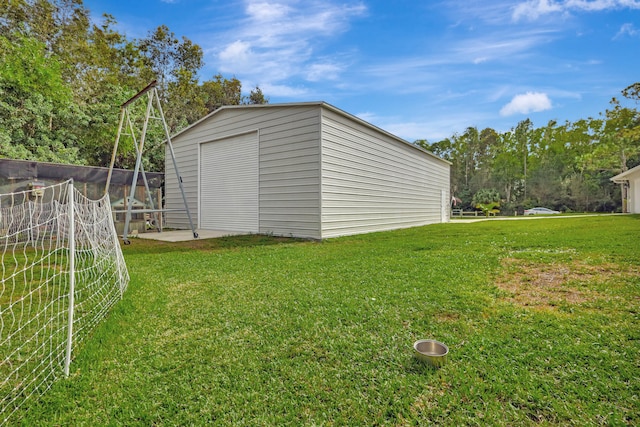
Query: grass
[[34, 309], [541, 318]]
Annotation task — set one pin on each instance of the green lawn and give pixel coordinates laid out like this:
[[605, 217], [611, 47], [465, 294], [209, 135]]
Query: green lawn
[[541, 318]]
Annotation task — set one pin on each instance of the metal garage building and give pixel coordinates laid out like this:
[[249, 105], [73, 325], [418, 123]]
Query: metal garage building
[[304, 170]]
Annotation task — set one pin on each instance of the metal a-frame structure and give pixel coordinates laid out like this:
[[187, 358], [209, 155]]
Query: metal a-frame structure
[[153, 111]]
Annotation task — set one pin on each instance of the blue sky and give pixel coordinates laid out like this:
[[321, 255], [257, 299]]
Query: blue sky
[[420, 69]]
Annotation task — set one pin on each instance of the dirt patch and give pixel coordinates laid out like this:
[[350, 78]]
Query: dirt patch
[[546, 286]]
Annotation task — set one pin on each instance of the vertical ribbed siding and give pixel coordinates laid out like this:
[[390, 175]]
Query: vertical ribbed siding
[[373, 182]]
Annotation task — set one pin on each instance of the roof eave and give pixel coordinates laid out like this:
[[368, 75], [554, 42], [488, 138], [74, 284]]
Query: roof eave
[[621, 178]]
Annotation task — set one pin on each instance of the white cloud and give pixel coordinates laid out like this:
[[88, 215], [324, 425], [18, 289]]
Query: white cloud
[[527, 103], [432, 128], [498, 92], [367, 116], [267, 12], [496, 46], [533, 9], [627, 29], [283, 91], [598, 5], [323, 71], [412, 131], [236, 52], [425, 71], [277, 40]]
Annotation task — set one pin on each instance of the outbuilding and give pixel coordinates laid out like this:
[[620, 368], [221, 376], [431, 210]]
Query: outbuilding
[[630, 182], [305, 170]]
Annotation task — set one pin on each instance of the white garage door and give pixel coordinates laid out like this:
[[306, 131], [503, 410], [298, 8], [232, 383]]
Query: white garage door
[[229, 184]]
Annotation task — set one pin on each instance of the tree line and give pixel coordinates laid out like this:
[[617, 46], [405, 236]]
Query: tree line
[[64, 77], [561, 166]]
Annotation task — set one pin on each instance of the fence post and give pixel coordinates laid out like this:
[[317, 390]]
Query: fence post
[[72, 273]]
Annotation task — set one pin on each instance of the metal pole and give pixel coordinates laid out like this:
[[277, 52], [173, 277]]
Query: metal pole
[[149, 197], [115, 149], [175, 164], [72, 273], [135, 142], [139, 94], [138, 153], [144, 175], [134, 181]]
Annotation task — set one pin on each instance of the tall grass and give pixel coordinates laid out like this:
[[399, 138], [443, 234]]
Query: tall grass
[[541, 318]]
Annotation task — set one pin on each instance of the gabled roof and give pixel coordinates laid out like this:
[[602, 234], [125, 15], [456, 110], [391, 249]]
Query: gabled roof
[[303, 104], [626, 175]]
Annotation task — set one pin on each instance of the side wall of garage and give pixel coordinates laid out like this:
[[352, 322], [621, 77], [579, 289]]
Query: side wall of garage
[[372, 181]]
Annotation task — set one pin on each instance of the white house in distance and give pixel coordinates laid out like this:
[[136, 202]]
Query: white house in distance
[[305, 170], [630, 181]]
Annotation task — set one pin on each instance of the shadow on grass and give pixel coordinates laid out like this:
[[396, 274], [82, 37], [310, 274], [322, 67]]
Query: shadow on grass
[[143, 246]]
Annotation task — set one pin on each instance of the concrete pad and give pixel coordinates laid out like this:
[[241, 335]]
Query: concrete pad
[[184, 235]]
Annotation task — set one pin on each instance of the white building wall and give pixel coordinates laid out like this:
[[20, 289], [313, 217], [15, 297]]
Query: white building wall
[[632, 178], [372, 181], [186, 151], [634, 193], [290, 173], [322, 173], [289, 165], [229, 184]]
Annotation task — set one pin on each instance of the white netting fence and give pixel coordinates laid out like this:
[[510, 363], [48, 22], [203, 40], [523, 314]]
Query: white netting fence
[[62, 270]]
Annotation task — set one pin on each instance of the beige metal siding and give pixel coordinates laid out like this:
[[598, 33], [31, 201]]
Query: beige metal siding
[[186, 152], [373, 182], [634, 194], [229, 184], [290, 173], [289, 165]]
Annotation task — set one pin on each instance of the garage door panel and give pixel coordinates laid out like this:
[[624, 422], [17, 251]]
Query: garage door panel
[[229, 184]]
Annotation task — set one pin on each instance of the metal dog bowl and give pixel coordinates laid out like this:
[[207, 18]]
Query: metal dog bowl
[[431, 352]]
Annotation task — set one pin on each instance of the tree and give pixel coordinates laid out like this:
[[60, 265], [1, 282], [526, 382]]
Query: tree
[[618, 137], [522, 135], [563, 166], [38, 118], [488, 201], [468, 144], [488, 141], [63, 78], [506, 171], [255, 97], [221, 91], [168, 58], [632, 91], [442, 148], [186, 105], [13, 17]]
